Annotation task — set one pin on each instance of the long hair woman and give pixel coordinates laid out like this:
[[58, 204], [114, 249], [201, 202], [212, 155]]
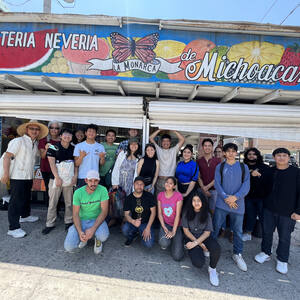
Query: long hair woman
[[187, 172], [197, 227], [148, 168]]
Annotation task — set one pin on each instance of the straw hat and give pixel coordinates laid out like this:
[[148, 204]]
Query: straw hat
[[21, 130]]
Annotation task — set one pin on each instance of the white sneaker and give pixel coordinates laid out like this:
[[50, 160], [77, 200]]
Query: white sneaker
[[82, 245], [98, 246], [247, 237], [213, 276], [262, 257], [206, 253], [30, 219], [281, 267], [17, 233], [240, 262]]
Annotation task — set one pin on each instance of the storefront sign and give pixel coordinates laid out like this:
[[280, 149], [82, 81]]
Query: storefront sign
[[142, 52]]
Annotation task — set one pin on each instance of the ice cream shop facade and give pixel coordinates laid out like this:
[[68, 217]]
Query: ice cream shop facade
[[233, 79]]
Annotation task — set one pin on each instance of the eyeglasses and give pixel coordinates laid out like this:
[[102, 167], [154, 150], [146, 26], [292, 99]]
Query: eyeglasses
[[57, 128], [34, 128]]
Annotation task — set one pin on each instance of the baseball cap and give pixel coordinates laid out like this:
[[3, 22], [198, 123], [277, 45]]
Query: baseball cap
[[92, 174]]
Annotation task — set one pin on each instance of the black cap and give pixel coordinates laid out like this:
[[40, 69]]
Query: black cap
[[139, 178]]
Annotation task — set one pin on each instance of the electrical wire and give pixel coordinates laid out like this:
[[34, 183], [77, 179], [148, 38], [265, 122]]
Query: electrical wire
[[290, 13], [12, 4], [58, 1], [268, 11]]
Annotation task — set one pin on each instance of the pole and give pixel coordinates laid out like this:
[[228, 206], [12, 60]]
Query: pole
[[47, 7]]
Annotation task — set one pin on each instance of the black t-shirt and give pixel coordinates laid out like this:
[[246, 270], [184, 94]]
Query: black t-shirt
[[283, 187], [61, 154], [257, 186], [140, 207]]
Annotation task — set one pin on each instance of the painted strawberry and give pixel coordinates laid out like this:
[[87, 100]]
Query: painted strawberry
[[290, 57]]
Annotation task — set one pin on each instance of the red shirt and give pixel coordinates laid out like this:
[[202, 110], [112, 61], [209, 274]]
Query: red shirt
[[207, 169], [45, 167]]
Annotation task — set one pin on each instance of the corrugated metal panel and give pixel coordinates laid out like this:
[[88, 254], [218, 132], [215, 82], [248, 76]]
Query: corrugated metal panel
[[124, 112], [256, 121]]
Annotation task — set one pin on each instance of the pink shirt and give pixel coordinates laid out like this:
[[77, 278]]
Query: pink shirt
[[169, 206]]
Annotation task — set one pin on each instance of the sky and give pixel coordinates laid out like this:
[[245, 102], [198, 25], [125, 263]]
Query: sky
[[263, 11]]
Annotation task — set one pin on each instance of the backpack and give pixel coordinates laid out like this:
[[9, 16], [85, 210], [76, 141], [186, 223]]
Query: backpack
[[222, 168]]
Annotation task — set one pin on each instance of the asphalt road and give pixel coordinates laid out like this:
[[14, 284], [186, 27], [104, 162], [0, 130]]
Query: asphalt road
[[36, 267]]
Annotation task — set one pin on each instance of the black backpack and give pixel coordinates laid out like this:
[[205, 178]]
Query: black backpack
[[222, 168]]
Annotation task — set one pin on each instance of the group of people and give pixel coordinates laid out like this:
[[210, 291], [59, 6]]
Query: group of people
[[190, 199]]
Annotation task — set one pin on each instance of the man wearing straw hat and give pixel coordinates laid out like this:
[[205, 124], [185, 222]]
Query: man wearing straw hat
[[23, 150]]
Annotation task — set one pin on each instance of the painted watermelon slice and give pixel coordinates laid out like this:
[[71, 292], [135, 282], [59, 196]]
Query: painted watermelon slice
[[23, 59]]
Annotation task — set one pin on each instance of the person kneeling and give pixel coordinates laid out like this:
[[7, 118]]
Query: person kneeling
[[139, 210], [197, 226], [90, 208], [169, 204]]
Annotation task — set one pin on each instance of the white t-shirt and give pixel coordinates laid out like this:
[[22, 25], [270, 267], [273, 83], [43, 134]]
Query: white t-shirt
[[25, 152], [91, 161], [167, 160]]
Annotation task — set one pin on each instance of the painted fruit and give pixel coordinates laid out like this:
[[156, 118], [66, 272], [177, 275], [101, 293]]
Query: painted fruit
[[200, 47], [256, 52], [221, 51], [109, 73], [83, 56], [290, 57], [23, 59], [169, 49]]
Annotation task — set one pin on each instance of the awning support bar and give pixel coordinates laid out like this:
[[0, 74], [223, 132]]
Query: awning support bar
[[52, 84], [84, 84], [232, 94], [269, 97], [18, 82]]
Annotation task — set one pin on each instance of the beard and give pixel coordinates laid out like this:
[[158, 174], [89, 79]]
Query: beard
[[253, 161]]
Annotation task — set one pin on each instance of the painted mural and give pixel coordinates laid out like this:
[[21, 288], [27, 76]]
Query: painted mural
[[137, 52]]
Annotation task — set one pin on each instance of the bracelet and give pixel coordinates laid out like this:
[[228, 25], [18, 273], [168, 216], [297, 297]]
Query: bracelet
[[195, 242]]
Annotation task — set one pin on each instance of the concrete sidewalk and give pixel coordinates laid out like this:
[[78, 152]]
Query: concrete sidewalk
[[36, 267]]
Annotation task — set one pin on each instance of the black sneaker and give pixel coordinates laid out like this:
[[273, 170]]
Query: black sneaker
[[128, 242], [67, 226], [46, 230]]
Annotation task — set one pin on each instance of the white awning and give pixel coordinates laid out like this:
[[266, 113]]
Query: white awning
[[112, 111], [253, 121]]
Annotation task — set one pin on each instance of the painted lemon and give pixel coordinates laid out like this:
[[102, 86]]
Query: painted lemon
[[256, 52], [169, 49]]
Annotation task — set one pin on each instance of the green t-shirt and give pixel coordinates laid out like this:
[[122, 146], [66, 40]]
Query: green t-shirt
[[90, 204], [110, 158]]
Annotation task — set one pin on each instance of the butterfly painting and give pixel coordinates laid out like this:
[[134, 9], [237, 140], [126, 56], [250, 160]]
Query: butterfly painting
[[126, 47]]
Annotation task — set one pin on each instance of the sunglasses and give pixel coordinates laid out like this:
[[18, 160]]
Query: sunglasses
[[57, 128], [34, 128]]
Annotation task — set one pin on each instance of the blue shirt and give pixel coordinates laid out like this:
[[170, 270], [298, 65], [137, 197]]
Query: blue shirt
[[232, 185], [187, 172], [91, 161]]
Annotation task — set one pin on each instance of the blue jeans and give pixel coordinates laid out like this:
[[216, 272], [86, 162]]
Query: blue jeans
[[80, 183], [130, 231], [285, 226], [72, 239], [152, 190], [253, 208], [236, 224], [176, 242]]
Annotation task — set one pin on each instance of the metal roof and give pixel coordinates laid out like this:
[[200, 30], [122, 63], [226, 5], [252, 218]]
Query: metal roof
[[26, 84], [190, 25]]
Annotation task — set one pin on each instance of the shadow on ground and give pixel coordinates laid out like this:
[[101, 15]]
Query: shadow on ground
[[153, 266]]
